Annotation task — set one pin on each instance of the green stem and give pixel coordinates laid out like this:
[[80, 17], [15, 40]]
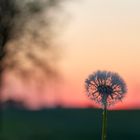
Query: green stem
[[104, 123]]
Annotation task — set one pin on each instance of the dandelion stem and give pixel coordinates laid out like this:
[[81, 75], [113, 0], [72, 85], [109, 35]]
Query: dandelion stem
[[104, 123]]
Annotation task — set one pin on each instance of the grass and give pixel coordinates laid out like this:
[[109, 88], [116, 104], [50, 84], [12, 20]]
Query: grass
[[69, 124]]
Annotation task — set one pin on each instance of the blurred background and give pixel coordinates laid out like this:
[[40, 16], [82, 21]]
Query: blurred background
[[47, 50]]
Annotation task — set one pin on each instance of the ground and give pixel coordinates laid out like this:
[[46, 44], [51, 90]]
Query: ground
[[69, 124]]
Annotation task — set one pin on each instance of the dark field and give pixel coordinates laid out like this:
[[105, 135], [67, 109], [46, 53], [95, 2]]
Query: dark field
[[69, 124]]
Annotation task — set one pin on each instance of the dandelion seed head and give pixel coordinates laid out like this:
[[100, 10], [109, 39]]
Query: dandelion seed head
[[105, 87]]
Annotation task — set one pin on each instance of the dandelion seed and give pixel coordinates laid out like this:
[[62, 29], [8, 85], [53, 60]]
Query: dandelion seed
[[105, 87]]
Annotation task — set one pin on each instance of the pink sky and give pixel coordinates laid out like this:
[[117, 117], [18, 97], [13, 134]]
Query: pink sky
[[100, 35]]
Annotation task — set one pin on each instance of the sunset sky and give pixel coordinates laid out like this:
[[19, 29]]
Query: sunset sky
[[98, 35], [103, 35]]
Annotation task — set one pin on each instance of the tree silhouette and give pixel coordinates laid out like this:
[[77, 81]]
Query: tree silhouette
[[25, 33]]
